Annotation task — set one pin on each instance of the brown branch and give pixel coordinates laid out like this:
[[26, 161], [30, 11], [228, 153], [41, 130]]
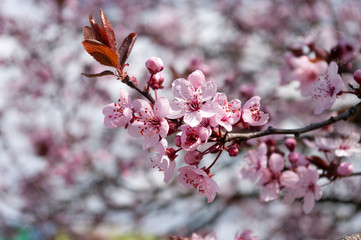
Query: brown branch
[[298, 131], [131, 84]]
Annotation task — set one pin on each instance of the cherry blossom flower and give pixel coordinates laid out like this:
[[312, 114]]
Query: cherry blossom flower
[[306, 188], [270, 177], [311, 191], [341, 147], [325, 90], [303, 70], [192, 137], [118, 114], [346, 147], [162, 160], [245, 235], [257, 162], [192, 177], [193, 99], [229, 114], [251, 113], [150, 122]]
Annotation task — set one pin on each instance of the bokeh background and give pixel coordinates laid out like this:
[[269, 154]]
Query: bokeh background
[[63, 175]]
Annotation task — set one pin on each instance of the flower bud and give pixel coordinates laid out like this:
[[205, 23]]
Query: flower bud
[[291, 144], [357, 76], [178, 141], [233, 150], [293, 157], [154, 65], [345, 169], [156, 81], [193, 157]]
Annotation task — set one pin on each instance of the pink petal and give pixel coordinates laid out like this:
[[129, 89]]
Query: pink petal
[[208, 90], [276, 162], [252, 103], [192, 118], [182, 89], [196, 78], [270, 192], [161, 107], [309, 203], [150, 141], [168, 170], [124, 98], [164, 128], [209, 109], [289, 179], [108, 122]]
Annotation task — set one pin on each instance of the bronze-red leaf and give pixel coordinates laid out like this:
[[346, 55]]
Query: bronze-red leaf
[[108, 30], [103, 54], [126, 48], [88, 33], [104, 73], [98, 32]]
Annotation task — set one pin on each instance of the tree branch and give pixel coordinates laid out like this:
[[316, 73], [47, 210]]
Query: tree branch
[[131, 84], [298, 131]]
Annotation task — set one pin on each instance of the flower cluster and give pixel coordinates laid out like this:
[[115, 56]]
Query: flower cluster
[[197, 113], [202, 120]]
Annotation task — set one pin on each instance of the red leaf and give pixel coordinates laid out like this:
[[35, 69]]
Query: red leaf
[[99, 34], [108, 30], [126, 48], [103, 54], [104, 73], [88, 33]]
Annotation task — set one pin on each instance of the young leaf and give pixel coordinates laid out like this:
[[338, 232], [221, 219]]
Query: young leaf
[[104, 73], [108, 30], [101, 53], [126, 48], [99, 34]]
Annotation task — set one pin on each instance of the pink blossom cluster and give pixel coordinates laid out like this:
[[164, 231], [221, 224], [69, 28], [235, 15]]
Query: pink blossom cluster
[[297, 180], [316, 78], [296, 176], [196, 114]]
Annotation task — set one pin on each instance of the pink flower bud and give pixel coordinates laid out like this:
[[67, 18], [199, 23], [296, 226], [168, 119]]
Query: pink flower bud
[[154, 65], [233, 150], [345, 169], [293, 157], [357, 76], [193, 157], [178, 141], [156, 81], [291, 144]]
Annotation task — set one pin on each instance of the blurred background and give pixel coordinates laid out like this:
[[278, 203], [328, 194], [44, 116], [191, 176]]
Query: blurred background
[[64, 176]]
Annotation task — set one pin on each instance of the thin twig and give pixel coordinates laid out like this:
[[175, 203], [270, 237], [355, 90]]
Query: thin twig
[[298, 131], [131, 84]]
